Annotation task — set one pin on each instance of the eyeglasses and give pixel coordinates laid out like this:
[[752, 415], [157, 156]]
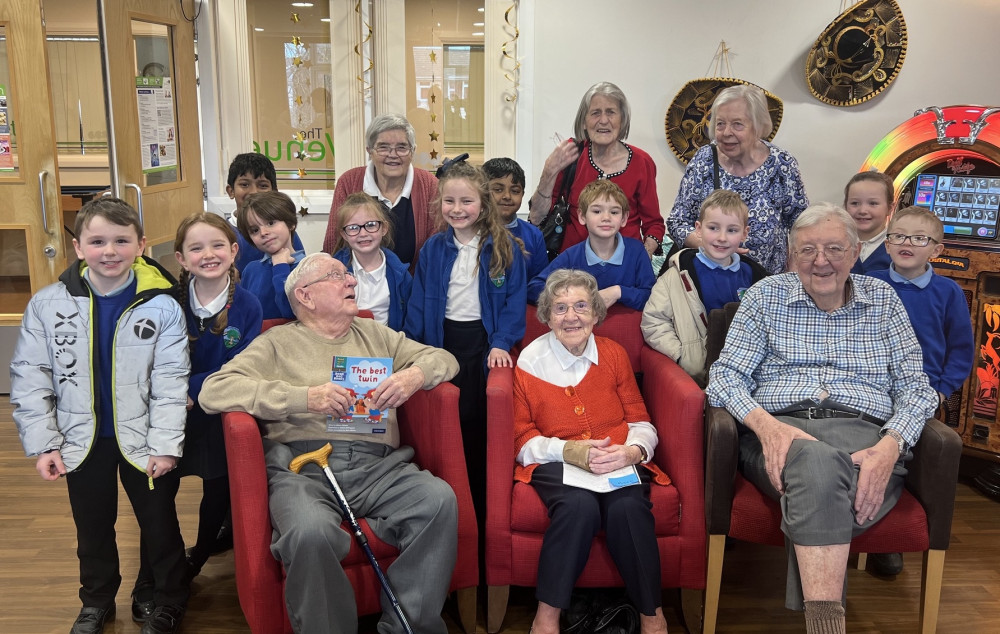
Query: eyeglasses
[[900, 238], [335, 275], [372, 226], [580, 308], [833, 253], [384, 149]]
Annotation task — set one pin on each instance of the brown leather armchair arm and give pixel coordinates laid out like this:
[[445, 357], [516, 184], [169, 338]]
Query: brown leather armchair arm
[[932, 477], [721, 450]]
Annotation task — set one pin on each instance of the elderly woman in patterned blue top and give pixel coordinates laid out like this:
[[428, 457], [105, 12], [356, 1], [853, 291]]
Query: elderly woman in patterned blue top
[[766, 177]]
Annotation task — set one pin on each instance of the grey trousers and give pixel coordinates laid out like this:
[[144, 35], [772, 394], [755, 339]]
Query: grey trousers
[[406, 507], [821, 481]]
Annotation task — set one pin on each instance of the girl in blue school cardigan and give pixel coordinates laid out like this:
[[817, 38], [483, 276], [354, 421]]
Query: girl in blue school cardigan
[[222, 319], [364, 238], [469, 297]]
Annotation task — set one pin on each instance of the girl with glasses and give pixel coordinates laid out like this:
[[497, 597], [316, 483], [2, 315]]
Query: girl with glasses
[[364, 240]]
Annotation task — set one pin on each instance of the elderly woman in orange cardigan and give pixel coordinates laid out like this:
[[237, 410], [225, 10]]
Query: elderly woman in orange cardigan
[[576, 403]]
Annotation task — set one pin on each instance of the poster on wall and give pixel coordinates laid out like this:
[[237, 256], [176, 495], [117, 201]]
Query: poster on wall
[[6, 154], [157, 136]]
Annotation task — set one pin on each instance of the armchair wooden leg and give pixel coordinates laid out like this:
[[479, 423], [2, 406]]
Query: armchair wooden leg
[[692, 602], [862, 561], [466, 599], [930, 590], [713, 582], [496, 607]]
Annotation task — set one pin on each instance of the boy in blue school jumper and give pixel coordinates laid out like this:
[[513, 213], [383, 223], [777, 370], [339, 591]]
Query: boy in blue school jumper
[[869, 198], [506, 182], [936, 305], [249, 173], [268, 220], [620, 265], [99, 384]]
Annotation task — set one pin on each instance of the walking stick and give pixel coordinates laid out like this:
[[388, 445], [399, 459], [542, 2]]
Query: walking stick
[[320, 458]]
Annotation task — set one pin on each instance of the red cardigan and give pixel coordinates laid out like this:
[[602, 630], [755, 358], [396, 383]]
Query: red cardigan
[[638, 181], [423, 192], [601, 405]]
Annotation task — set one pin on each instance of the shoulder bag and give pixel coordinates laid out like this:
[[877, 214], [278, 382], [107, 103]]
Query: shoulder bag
[[553, 227]]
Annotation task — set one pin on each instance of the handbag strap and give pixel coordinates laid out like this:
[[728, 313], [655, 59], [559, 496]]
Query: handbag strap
[[715, 166], [568, 174]]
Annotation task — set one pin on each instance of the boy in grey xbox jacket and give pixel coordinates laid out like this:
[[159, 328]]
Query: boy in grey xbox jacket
[[99, 383]]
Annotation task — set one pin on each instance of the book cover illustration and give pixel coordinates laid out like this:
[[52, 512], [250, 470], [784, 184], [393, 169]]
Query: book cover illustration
[[360, 376]]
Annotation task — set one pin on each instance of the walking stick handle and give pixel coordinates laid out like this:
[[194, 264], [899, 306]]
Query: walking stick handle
[[319, 457]]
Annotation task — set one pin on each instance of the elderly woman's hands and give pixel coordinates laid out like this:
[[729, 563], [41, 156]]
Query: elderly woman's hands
[[605, 458], [565, 154]]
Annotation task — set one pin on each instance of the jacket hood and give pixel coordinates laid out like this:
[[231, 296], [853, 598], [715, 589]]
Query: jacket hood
[[149, 274]]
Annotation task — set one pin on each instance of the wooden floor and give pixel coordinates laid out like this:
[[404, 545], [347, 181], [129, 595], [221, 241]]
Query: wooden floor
[[39, 573]]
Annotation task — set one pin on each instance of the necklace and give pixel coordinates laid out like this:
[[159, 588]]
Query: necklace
[[600, 173]]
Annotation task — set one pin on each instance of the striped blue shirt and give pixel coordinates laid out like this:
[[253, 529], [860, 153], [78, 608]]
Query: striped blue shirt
[[782, 348]]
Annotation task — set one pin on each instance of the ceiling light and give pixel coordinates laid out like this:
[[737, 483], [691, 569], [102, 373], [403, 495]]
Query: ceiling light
[[481, 9], [478, 24], [478, 34], [302, 4], [257, 28], [324, 19]]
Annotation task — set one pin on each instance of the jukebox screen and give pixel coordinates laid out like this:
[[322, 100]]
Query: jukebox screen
[[967, 206]]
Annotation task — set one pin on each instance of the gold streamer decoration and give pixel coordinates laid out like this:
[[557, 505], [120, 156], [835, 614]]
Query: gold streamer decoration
[[515, 73], [366, 87], [298, 60]]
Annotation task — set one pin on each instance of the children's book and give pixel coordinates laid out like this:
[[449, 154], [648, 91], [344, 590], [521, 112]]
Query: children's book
[[360, 376]]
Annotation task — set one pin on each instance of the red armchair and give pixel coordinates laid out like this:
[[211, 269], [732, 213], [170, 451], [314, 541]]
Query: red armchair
[[260, 577], [516, 518], [920, 521]]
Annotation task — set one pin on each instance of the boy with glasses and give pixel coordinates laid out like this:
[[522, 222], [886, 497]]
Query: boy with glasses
[[936, 305]]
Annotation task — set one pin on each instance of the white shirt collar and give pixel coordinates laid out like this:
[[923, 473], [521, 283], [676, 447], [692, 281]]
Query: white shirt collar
[[374, 276], [566, 358], [213, 307], [370, 185]]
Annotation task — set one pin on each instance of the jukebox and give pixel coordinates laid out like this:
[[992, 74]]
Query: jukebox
[[948, 160]]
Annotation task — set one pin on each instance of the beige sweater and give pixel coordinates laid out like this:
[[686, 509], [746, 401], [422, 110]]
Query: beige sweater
[[271, 378]]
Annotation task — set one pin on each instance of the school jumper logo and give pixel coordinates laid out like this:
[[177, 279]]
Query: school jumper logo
[[230, 337], [499, 280], [145, 329]]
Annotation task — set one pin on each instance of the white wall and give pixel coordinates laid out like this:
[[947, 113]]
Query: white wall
[[651, 48]]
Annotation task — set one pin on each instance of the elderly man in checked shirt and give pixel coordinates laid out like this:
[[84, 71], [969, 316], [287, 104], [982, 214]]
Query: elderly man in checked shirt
[[825, 373]]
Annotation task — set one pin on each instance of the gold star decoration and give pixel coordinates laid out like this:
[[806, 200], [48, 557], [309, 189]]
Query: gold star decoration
[[433, 98], [434, 117], [302, 172], [297, 61], [434, 155], [302, 155], [303, 211], [434, 136], [296, 40], [299, 136], [298, 100], [434, 56], [295, 17]]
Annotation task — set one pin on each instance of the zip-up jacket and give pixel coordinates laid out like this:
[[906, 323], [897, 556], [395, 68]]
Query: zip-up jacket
[[502, 301], [52, 378]]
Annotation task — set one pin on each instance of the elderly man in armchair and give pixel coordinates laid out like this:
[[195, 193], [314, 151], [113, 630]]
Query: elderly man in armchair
[[283, 378], [824, 372]]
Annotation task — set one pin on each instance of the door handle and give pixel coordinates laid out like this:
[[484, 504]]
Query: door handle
[[138, 201], [41, 192]]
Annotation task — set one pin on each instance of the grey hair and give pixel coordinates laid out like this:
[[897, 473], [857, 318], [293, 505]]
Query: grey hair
[[387, 122], [306, 268], [815, 214], [560, 281], [607, 89], [756, 102]]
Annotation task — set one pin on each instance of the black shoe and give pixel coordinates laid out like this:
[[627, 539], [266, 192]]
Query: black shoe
[[142, 610], [223, 541], [886, 564], [194, 560], [166, 619], [91, 620]]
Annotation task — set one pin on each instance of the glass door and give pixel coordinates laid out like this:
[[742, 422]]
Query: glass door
[[33, 246], [156, 155]]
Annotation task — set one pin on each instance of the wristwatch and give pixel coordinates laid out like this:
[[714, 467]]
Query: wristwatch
[[642, 451], [895, 435]]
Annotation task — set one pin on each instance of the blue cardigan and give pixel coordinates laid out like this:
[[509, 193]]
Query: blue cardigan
[[634, 275], [537, 258], [878, 260], [940, 317], [400, 283], [502, 301]]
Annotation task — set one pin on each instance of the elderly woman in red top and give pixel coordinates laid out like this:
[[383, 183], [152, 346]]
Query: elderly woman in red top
[[576, 403]]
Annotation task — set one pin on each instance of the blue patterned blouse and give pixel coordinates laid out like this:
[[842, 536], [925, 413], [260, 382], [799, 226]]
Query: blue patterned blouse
[[773, 192]]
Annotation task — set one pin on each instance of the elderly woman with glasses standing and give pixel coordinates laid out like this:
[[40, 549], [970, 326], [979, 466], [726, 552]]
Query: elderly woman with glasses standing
[[766, 177], [602, 125], [576, 403], [390, 178]]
